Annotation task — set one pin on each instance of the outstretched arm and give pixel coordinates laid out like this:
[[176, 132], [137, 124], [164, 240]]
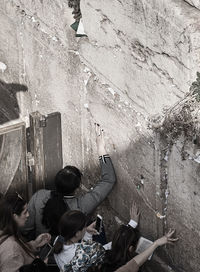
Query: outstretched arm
[[167, 239], [134, 264], [93, 198]]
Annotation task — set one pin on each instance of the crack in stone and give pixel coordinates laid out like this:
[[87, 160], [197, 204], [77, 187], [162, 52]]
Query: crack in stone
[[38, 24], [175, 59], [166, 75], [191, 5]]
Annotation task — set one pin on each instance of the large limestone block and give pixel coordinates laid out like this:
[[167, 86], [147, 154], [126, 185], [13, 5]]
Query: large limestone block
[[182, 208], [52, 17], [146, 49], [36, 57]]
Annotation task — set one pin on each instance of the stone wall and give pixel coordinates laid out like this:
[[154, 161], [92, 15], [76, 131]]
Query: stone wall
[[194, 3], [37, 47], [147, 52], [139, 58]]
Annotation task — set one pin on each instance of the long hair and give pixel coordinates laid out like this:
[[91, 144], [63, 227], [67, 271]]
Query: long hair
[[120, 253], [10, 205], [70, 223], [67, 181], [52, 212]]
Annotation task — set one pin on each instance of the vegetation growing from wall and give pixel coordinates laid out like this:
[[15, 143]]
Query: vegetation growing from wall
[[182, 118], [178, 122]]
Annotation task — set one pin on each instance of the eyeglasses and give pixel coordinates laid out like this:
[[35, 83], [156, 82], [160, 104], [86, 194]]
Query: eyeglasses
[[19, 197]]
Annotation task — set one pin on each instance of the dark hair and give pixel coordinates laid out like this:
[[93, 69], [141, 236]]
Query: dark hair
[[16, 202], [70, 223], [52, 212], [10, 205], [68, 180], [123, 239]]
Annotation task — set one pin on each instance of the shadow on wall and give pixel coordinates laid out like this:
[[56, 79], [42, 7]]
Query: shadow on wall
[[135, 182], [9, 108]]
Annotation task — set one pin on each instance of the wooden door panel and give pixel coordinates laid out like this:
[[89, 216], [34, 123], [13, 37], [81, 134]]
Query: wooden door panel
[[45, 146], [52, 147]]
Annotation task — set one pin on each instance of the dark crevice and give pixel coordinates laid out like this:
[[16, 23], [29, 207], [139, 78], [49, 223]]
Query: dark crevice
[[191, 5]]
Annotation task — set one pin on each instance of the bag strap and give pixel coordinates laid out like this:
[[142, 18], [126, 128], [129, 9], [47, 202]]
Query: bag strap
[[4, 239]]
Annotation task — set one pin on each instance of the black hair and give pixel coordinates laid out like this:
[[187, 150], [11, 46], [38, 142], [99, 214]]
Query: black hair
[[67, 180], [70, 223], [52, 212], [10, 205], [16, 202], [120, 253]]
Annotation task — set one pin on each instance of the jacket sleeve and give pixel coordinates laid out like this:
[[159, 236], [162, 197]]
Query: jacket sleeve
[[131, 266], [33, 225], [29, 228], [88, 202]]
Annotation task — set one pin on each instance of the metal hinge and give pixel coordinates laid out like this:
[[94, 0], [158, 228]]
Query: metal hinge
[[43, 122], [30, 160]]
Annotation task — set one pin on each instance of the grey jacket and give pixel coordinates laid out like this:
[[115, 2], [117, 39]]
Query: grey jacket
[[85, 203]]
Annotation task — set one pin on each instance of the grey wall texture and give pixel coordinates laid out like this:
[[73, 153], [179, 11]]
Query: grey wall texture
[[138, 60]]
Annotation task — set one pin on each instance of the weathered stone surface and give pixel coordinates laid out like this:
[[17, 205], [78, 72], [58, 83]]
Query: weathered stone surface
[[183, 204], [133, 40], [139, 57], [148, 54], [33, 46]]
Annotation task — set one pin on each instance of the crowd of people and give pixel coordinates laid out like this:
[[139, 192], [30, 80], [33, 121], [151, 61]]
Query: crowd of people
[[62, 218]]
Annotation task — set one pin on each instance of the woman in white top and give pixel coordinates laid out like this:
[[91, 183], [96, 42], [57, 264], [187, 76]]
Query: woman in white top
[[71, 254]]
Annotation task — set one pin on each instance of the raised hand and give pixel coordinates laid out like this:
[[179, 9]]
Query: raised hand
[[100, 140], [91, 229], [167, 239], [134, 212], [42, 239]]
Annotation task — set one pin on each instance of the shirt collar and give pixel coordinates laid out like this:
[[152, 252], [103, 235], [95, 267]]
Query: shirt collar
[[69, 196]]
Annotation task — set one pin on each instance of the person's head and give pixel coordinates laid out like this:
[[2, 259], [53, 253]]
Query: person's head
[[13, 213], [71, 227], [125, 240], [68, 180], [124, 243]]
